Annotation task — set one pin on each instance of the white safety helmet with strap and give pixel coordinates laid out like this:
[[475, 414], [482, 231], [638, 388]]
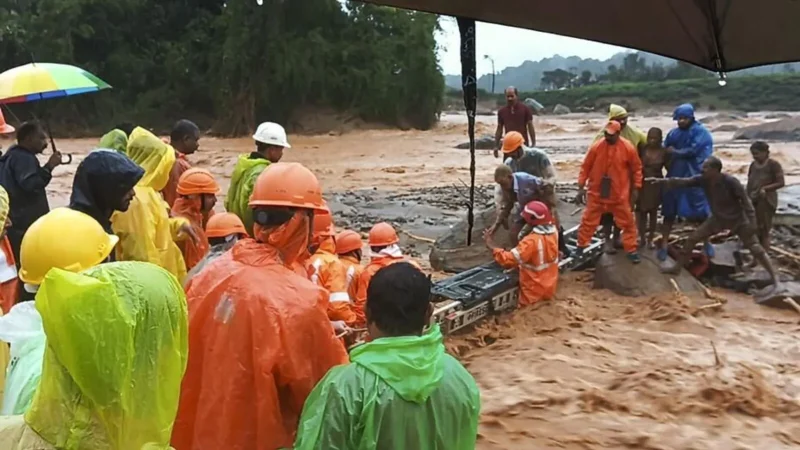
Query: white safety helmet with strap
[[271, 133]]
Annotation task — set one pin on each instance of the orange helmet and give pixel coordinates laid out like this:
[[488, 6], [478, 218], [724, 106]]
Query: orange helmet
[[289, 185], [323, 222], [512, 141], [197, 181], [5, 128], [382, 235], [224, 224], [348, 241]]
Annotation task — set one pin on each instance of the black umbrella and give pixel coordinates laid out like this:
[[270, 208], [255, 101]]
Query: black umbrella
[[718, 35]]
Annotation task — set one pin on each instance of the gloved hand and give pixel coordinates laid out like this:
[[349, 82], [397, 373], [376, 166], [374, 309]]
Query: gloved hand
[[580, 198]]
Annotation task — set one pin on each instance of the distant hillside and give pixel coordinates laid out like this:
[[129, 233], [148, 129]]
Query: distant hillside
[[527, 76], [780, 92]]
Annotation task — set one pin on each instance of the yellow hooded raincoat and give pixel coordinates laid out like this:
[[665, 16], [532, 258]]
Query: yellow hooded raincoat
[[145, 230], [117, 345], [636, 136]]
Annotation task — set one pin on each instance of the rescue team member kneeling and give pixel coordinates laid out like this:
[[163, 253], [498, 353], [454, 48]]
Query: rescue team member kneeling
[[401, 390], [259, 332], [536, 256], [608, 168], [122, 394]]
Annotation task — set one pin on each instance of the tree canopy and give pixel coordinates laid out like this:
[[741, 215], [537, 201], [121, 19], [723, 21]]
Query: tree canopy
[[230, 65]]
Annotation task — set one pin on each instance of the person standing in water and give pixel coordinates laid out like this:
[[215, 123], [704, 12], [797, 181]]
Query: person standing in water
[[764, 179], [654, 160], [515, 116]]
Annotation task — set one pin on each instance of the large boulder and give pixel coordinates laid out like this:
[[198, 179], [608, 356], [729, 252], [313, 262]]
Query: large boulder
[[617, 274], [450, 253], [779, 130], [561, 110], [485, 142], [725, 128], [535, 106]]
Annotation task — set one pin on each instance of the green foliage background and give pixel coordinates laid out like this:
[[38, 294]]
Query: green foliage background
[[228, 65]]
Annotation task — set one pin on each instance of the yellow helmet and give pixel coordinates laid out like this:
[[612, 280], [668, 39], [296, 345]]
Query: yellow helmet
[[66, 239]]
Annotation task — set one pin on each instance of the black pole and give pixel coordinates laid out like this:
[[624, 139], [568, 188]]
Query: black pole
[[493, 74], [466, 27]]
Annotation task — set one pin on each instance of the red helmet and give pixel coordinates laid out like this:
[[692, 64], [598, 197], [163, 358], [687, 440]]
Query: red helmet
[[537, 213]]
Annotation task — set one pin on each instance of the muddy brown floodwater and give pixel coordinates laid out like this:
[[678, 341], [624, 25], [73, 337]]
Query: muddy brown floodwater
[[587, 370]]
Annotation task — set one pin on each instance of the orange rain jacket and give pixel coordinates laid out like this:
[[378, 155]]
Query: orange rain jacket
[[189, 209], [9, 290], [260, 342], [181, 165], [536, 256], [327, 271], [620, 162]]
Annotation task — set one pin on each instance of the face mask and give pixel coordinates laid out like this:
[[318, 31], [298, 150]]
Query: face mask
[[291, 239]]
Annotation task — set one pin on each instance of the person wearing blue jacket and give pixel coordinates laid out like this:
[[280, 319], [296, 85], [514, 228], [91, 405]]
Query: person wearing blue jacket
[[688, 145]]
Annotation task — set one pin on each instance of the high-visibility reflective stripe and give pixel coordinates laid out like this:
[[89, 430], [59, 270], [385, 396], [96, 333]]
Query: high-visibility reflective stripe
[[351, 274], [536, 268], [315, 275], [339, 297]]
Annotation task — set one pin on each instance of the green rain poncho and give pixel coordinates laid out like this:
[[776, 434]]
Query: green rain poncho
[[398, 393], [115, 140], [116, 353], [244, 178]]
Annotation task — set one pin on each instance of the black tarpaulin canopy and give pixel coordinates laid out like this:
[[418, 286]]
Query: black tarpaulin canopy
[[718, 35]]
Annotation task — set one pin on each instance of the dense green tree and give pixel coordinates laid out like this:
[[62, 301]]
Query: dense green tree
[[229, 65]]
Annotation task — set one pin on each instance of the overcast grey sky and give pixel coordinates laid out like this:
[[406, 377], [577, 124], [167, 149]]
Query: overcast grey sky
[[511, 46]]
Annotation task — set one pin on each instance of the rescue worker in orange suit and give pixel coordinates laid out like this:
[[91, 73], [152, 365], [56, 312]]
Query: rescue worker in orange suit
[[348, 248], [385, 252], [259, 332], [197, 194], [325, 270], [185, 140], [223, 231], [536, 255], [9, 283], [608, 168]]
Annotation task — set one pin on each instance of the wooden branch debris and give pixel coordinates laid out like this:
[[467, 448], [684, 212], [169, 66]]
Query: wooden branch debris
[[788, 254], [790, 301], [576, 211], [419, 238]]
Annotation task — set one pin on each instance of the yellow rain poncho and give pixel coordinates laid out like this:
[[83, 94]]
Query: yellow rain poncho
[[117, 346], [115, 140], [633, 134], [145, 230]]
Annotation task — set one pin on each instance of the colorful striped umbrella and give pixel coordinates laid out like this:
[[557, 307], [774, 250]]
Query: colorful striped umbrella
[[42, 81]]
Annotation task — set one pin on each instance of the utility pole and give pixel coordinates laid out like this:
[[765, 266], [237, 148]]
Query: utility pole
[[493, 72]]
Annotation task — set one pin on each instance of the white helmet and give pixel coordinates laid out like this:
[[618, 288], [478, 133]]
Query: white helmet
[[271, 133]]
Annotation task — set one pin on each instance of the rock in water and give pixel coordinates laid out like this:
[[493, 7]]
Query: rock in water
[[775, 298], [780, 130], [561, 110], [485, 142], [450, 252], [725, 128], [617, 274], [535, 106]]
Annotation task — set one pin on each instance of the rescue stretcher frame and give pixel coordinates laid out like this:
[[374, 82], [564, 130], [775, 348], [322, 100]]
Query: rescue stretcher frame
[[460, 301]]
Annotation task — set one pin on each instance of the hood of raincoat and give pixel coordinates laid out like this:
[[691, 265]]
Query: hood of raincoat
[[616, 111], [115, 140], [116, 352], [685, 110], [101, 180], [412, 365], [290, 239], [153, 155], [243, 179]]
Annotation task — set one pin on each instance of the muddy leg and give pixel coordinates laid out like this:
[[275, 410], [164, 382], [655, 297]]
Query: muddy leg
[[651, 229], [641, 222]]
